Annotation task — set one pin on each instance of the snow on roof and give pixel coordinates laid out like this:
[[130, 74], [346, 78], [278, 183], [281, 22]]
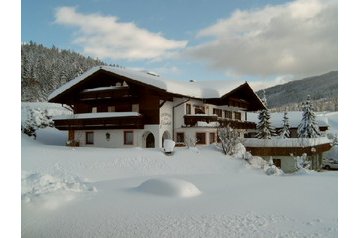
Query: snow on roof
[[101, 88], [195, 89], [294, 118], [97, 115], [286, 142]]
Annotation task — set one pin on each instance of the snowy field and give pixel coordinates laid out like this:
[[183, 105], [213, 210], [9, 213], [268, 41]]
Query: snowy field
[[197, 192]]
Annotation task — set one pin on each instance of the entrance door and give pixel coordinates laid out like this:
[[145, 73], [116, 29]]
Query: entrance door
[[150, 141]]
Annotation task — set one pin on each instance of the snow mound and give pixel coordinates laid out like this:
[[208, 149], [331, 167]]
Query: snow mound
[[169, 187], [37, 187]]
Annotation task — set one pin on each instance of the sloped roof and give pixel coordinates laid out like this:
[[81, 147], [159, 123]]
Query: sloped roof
[[196, 89]]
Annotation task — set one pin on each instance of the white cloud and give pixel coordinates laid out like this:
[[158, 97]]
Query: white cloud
[[298, 38], [107, 37]]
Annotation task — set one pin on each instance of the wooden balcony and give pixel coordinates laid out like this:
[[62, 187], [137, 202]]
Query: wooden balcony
[[236, 124], [99, 122], [192, 120]]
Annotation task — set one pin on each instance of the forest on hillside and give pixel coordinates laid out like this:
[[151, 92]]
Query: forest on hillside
[[323, 90], [45, 69]]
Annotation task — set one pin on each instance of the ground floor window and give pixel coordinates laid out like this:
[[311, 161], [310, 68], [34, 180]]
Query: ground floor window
[[89, 138], [201, 137], [277, 162], [180, 137], [128, 137], [212, 137]]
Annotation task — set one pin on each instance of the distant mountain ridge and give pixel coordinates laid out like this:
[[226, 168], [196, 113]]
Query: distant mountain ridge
[[323, 90]]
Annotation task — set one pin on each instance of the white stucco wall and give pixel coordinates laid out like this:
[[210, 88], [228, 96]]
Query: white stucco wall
[[116, 138], [190, 132], [179, 112], [166, 121]]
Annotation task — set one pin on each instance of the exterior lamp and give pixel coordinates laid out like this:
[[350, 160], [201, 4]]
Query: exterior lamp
[[108, 136]]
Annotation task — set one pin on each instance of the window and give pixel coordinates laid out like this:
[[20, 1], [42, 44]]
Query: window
[[277, 163], [212, 137], [218, 112], [111, 108], [94, 109], [228, 114], [135, 107], [188, 108], [128, 137], [180, 137], [199, 110], [89, 138], [201, 137], [237, 115]]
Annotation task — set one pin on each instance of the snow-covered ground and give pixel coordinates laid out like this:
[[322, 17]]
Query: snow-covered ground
[[95, 192], [196, 192]]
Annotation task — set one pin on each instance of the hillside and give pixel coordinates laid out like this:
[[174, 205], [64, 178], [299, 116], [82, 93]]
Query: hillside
[[323, 90], [45, 69]]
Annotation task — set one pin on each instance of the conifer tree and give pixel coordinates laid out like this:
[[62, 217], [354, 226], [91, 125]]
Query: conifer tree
[[308, 126], [265, 130], [285, 131]]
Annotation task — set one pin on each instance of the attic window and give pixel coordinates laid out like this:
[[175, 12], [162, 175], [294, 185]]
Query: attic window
[[118, 84]]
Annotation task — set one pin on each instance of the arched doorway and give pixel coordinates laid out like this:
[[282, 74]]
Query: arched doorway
[[165, 135], [150, 141]]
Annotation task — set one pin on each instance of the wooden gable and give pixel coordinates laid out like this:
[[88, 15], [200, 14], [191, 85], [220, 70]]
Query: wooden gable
[[242, 96]]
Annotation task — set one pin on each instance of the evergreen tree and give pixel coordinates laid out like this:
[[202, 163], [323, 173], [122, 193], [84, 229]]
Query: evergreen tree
[[265, 130], [45, 69], [308, 126], [285, 131]]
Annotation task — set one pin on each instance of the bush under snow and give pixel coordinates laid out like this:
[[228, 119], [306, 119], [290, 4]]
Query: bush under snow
[[169, 187], [45, 187], [268, 167]]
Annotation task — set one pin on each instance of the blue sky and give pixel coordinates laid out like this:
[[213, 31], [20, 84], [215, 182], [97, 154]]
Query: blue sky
[[262, 42]]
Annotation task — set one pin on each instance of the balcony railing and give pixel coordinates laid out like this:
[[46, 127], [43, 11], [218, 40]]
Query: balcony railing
[[192, 120], [99, 121]]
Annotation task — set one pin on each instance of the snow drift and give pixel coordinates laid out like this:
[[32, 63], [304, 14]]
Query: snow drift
[[51, 191], [169, 187]]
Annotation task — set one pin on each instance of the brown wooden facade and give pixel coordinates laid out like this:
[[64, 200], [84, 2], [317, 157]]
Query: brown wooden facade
[[289, 151], [128, 122]]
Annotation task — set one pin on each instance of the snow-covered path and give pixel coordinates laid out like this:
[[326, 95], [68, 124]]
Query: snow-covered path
[[235, 200]]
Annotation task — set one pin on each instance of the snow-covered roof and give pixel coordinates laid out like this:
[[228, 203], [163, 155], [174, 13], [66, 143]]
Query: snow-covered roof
[[294, 119], [195, 89], [97, 115], [286, 142]]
